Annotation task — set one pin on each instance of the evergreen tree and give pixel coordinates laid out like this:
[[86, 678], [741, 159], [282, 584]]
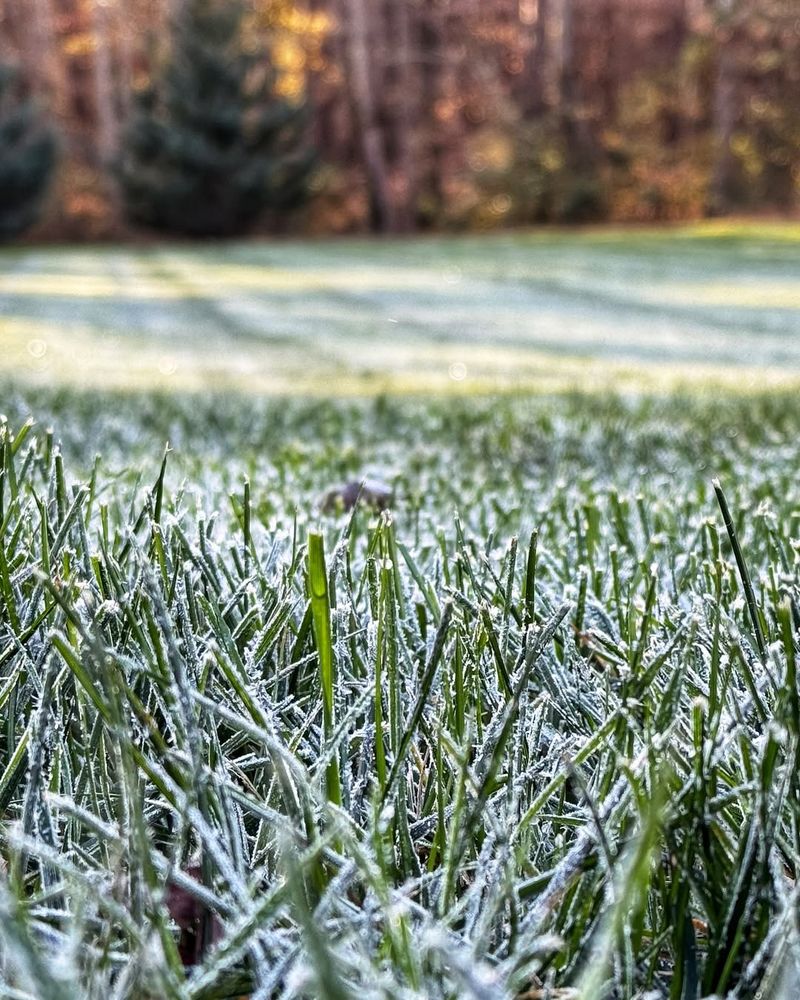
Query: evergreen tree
[[27, 157], [211, 146]]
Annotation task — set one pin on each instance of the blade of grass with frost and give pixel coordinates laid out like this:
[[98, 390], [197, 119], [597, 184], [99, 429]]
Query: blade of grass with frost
[[790, 710], [21, 950], [246, 531], [14, 770], [323, 963], [438, 840], [151, 506], [744, 574], [37, 754], [455, 835], [389, 539], [426, 683], [425, 586], [494, 645], [491, 755], [620, 938], [10, 476], [508, 594], [321, 615], [459, 686], [744, 906], [6, 591], [386, 664], [60, 484], [158, 489]]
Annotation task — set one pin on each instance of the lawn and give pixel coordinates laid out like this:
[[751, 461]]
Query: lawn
[[706, 305], [532, 732]]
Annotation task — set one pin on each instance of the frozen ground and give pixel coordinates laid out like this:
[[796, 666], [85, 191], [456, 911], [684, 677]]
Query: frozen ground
[[714, 304]]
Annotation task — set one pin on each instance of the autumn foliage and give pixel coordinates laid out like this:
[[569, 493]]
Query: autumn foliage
[[454, 113]]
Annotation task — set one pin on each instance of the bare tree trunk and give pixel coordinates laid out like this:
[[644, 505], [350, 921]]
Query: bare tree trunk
[[356, 23], [540, 57], [433, 53], [107, 122], [405, 118], [329, 114], [126, 71], [531, 89], [725, 111], [40, 31], [609, 84], [568, 84]]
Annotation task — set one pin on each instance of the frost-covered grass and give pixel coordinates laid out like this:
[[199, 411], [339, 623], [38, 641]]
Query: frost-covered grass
[[710, 304], [529, 735]]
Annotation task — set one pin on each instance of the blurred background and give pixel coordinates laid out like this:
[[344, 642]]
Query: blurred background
[[340, 116], [590, 194]]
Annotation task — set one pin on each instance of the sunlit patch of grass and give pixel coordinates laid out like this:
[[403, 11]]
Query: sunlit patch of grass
[[722, 230], [759, 293], [540, 312], [213, 280], [85, 286], [784, 231], [83, 357]]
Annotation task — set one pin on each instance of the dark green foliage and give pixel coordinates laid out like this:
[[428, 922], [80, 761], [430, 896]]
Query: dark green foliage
[[212, 146], [27, 157], [547, 180]]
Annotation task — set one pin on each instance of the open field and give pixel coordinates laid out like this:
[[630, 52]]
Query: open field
[[457, 760], [708, 305]]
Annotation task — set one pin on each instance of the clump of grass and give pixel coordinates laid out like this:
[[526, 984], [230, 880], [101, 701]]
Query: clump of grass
[[401, 754]]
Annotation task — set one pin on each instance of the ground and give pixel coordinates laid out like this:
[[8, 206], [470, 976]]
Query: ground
[[709, 305], [533, 732]]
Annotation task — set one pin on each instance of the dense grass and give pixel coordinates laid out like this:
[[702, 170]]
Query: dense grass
[[712, 304], [530, 734]]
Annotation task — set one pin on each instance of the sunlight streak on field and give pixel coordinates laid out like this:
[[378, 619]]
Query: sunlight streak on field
[[523, 311]]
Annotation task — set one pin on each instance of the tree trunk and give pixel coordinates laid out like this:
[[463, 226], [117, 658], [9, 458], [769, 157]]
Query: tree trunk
[[609, 86], [432, 48], [358, 40], [575, 132], [107, 122], [533, 83], [725, 112], [405, 118]]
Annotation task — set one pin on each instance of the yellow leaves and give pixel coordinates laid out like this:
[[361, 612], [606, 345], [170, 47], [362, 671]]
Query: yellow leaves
[[744, 148], [490, 150], [289, 55], [311, 24], [293, 17], [552, 159], [80, 43], [297, 39], [290, 60]]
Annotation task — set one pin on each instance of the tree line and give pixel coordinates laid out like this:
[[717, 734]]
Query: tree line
[[397, 115]]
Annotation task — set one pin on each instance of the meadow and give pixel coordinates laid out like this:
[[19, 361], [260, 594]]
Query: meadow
[[716, 304], [533, 731]]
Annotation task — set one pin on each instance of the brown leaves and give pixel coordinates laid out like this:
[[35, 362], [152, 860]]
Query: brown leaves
[[199, 927]]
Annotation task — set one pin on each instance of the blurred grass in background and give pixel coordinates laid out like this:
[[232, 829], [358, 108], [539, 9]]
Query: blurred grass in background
[[716, 304]]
